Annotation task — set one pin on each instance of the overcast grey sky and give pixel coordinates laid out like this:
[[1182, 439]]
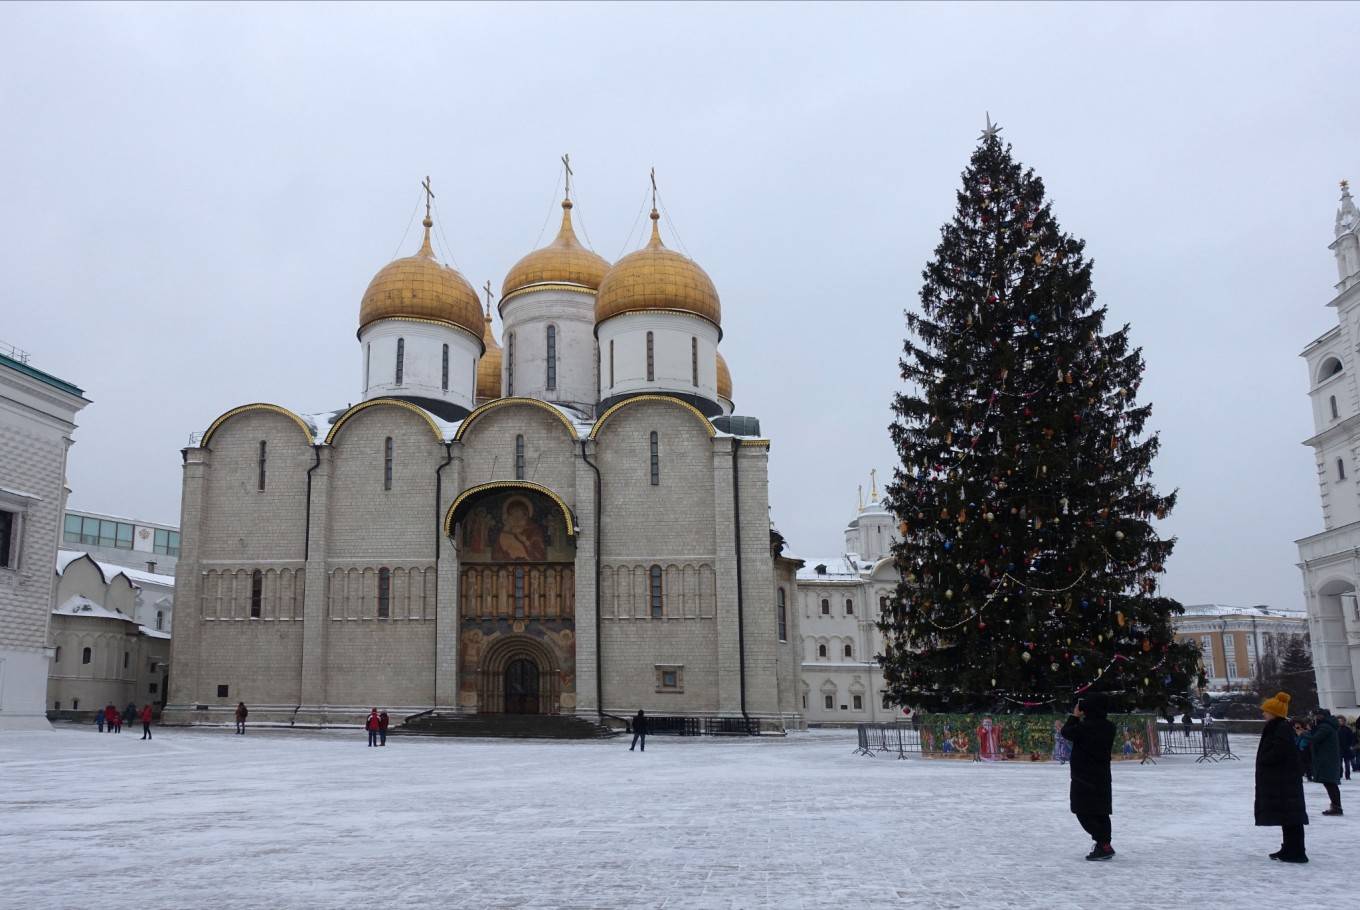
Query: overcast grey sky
[[194, 199]]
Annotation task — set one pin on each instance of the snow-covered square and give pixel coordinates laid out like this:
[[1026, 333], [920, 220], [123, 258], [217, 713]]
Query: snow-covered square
[[293, 819]]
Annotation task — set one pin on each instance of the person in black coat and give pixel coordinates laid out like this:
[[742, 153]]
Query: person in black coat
[[1279, 781], [639, 731], [1092, 797]]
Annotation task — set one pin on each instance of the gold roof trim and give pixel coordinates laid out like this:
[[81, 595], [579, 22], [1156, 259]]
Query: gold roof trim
[[638, 399], [755, 443], [420, 319], [545, 286], [490, 406], [391, 402], [508, 484], [216, 425]]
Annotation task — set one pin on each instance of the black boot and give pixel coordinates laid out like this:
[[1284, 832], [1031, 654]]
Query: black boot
[[1100, 852]]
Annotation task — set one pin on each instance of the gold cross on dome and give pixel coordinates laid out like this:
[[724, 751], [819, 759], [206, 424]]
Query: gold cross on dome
[[429, 195], [487, 288], [653, 176], [566, 166]]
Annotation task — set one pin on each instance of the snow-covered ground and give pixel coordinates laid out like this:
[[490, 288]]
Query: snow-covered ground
[[204, 818]]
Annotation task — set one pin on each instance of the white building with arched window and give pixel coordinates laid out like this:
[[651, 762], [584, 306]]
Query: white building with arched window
[[1330, 561]]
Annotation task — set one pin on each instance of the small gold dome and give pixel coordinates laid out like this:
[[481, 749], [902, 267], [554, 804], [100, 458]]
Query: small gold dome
[[724, 378], [655, 278], [564, 261], [418, 287], [489, 367]]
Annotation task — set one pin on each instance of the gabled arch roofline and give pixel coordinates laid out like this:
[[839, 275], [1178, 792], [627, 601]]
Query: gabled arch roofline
[[472, 492], [375, 402], [665, 399], [216, 425], [495, 403], [92, 561]]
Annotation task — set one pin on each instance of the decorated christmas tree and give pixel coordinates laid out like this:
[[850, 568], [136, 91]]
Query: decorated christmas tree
[[1029, 562]]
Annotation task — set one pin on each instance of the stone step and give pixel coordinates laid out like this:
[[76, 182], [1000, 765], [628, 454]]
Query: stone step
[[510, 726]]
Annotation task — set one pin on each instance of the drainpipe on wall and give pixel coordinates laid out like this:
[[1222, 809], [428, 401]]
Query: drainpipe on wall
[[599, 642], [307, 531]]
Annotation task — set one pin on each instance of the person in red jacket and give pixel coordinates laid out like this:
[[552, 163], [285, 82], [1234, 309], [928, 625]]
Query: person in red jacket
[[371, 725], [114, 720], [383, 721], [146, 722]]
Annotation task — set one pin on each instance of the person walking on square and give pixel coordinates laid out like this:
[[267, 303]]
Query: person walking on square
[[1345, 736], [1324, 743], [639, 731], [146, 721], [1279, 781], [99, 720], [371, 725], [1091, 799], [383, 721], [241, 714], [130, 715], [109, 711], [1305, 753], [114, 721]]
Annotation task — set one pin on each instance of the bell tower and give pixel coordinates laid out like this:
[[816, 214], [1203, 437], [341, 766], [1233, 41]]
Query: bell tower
[[1346, 246]]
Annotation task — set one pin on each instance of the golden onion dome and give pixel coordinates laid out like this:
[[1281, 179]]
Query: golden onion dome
[[724, 378], [564, 261], [489, 367], [655, 278], [420, 288]]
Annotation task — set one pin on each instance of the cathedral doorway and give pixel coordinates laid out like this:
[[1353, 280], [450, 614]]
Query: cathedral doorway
[[521, 687], [516, 601]]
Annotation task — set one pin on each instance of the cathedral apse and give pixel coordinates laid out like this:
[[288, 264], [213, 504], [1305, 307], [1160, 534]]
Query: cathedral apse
[[517, 596]]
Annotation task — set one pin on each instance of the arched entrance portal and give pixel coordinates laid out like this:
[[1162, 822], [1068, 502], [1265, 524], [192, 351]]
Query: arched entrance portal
[[517, 602], [521, 687]]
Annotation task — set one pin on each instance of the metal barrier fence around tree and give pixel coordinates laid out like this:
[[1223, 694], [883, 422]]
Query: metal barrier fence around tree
[[905, 740]]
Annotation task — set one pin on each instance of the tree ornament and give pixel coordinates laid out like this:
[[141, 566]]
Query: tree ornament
[[1025, 657]]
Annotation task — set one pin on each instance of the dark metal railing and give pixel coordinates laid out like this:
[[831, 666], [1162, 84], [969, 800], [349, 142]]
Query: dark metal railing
[[731, 726], [904, 740], [662, 725]]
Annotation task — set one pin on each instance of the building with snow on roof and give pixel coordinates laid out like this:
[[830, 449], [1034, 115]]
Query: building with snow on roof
[[1328, 560], [37, 420], [839, 600], [1232, 640], [103, 649], [567, 522]]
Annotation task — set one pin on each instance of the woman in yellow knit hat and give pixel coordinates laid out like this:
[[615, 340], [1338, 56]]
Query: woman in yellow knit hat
[[1279, 780]]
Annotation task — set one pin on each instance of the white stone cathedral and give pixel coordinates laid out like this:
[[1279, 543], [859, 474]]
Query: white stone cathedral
[[571, 522], [1331, 571]]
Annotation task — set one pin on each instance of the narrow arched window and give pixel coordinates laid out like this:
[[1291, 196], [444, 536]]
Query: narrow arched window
[[160, 620], [56, 657], [849, 651], [782, 615], [849, 607], [656, 460], [519, 592], [821, 650], [519, 457], [401, 359], [883, 605], [384, 593], [694, 360], [126, 657], [256, 593], [651, 359], [85, 656], [445, 379], [552, 357], [826, 607], [611, 363], [1335, 412], [1340, 469], [509, 363], [264, 454], [387, 464], [657, 602], [368, 353], [829, 702]]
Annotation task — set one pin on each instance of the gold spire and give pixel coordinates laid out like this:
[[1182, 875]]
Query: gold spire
[[564, 261], [860, 488], [873, 484]]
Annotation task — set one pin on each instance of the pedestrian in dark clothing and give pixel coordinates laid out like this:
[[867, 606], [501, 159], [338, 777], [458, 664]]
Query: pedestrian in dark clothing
[[371, 725], [1345, 737], [99, 719], [146, 722], [383, 721], [1305, 751], [1279, 781], [1092, 797], [241, 714], [130, 715], [109, 712], [639, 731], [1323, 743]]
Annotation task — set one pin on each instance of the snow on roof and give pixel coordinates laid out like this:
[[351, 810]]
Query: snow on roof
[[80, 605], [837, 568], [136, 576], [1228, 610], [20, 494], [153, 633]]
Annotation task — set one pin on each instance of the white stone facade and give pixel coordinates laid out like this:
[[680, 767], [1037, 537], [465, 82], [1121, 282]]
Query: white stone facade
[[420, 360], [556, 320], [37, 419], [1330, 560], [660, 353]]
